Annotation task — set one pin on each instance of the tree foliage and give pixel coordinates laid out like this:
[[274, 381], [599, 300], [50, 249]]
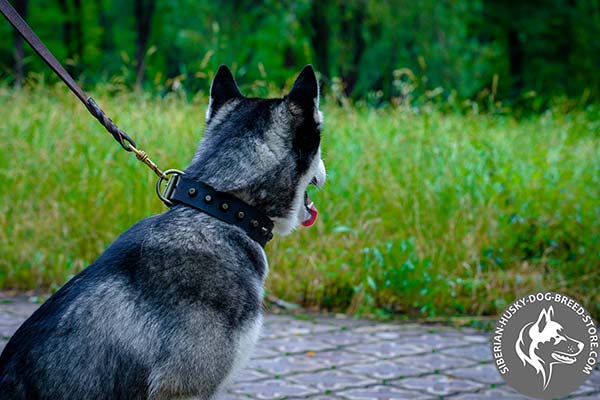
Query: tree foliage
[[379, 51]]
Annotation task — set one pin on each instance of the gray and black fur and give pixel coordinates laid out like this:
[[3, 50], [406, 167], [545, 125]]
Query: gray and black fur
[[172, 308]]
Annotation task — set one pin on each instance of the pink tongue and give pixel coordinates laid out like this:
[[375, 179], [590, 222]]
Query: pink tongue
[[314, 213]]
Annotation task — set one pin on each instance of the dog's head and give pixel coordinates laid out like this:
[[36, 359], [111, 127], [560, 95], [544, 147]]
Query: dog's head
[[544, 343], [264, 151]]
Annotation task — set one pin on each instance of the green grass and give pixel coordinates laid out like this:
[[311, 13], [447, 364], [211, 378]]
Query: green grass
[[423, 214]]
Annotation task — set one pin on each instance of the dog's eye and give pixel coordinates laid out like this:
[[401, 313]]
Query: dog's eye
[[558, 339]]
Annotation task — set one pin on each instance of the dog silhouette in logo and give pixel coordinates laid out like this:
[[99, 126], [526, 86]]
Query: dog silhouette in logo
[[544, 343]]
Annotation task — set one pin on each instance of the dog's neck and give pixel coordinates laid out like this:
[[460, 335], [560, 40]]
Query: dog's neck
[[223, 206], [272, 196]]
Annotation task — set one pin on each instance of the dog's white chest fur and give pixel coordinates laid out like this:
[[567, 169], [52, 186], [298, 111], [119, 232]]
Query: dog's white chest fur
[[246, 341], [247, 338]]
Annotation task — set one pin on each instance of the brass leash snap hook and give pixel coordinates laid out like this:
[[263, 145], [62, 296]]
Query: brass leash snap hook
[[170, 177]]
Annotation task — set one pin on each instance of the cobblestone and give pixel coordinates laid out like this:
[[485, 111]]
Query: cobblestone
[[331, 358]]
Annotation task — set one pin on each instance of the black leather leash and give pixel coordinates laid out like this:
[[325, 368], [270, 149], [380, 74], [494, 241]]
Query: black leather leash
[[126, 142], [177, 188], [36, 44]]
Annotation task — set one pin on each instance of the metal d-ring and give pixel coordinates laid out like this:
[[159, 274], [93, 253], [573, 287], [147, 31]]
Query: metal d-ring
[[170, 176]]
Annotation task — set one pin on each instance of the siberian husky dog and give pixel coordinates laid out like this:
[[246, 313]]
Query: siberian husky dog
[[173, 307]]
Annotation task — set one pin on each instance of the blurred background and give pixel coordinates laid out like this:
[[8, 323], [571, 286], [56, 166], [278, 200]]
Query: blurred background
[[520, 53], [462, 141]]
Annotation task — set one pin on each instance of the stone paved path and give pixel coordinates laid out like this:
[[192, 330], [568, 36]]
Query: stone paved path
[[331, 358]]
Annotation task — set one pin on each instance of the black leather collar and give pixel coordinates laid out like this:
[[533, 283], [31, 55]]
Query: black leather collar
[[222, 206]]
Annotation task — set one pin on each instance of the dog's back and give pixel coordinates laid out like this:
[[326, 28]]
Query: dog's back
[[145, 318]]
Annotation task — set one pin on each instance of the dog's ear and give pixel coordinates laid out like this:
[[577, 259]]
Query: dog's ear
[[222, 89], [544, 318], [305, 91]]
